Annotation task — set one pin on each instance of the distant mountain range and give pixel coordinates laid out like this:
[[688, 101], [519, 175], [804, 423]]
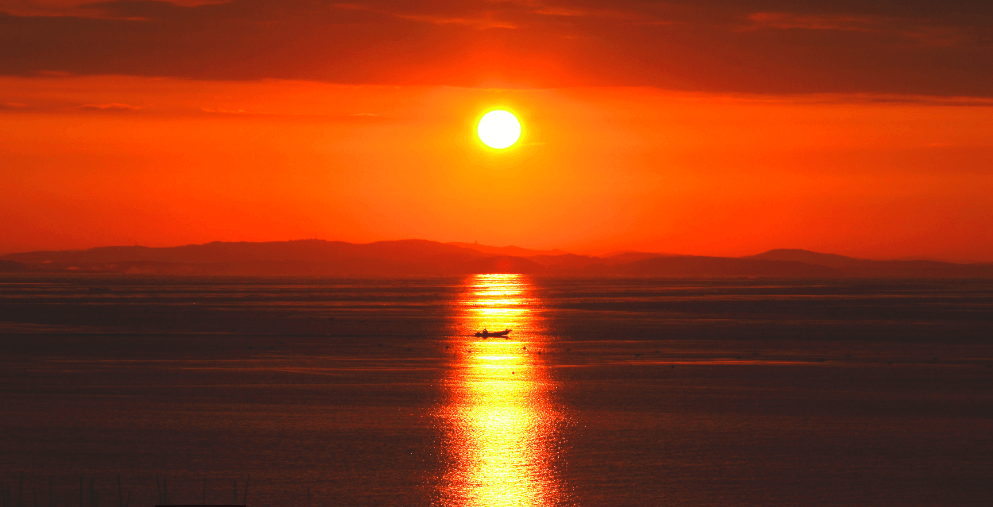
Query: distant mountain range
[[421, 257]]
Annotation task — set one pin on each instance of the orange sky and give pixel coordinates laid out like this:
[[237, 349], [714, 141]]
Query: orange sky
[[698, 127], [109, 160]]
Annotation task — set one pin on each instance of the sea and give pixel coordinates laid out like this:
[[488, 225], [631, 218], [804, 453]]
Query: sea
[[141, 390]]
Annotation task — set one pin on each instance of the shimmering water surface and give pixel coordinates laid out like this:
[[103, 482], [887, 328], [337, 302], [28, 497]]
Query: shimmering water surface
[[606, 392]]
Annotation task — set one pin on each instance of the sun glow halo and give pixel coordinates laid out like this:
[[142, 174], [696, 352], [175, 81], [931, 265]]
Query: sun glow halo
[[499, 129]]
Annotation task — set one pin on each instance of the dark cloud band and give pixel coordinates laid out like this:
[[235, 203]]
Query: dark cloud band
[[760, 46]]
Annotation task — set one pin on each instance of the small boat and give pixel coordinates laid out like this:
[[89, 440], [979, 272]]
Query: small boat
[[486, 334]]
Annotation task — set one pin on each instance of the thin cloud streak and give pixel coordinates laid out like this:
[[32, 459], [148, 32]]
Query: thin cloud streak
[[483, 22]]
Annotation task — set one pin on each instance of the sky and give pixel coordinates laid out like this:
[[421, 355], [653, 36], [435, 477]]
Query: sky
[[706, 127]]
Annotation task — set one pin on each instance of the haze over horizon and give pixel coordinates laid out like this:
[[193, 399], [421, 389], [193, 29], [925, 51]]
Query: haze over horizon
[[430, 258], [510, 250]]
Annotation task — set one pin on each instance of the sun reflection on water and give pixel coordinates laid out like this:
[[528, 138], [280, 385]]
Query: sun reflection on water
[[500, 418]]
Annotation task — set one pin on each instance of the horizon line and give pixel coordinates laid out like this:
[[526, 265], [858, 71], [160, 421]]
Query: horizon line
[[564, 251]]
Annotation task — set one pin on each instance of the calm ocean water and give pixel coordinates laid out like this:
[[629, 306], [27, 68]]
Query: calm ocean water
[[606, 392]]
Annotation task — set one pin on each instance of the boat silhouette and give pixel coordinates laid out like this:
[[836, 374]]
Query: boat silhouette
[[486, 334]]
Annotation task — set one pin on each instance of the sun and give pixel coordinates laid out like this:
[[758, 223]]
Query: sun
[[499, 129]]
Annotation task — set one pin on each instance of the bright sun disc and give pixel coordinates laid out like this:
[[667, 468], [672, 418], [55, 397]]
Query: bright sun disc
[[499, 129]]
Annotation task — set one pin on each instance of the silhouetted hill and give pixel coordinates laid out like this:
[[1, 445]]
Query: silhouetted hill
[[628, 257], [12, 267], [797, 255], [421, 257], [302, 250], [505, 264], [306, 257], [850, 266], [570, 264], [513, 251], [691, 265]]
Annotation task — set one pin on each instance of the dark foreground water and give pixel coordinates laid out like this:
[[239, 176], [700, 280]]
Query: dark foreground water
[[608, 391]]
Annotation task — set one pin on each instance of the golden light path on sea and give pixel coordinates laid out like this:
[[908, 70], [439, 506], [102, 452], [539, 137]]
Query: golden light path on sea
[[501, 420]]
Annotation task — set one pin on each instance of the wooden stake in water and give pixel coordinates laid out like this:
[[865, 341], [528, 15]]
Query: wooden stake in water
[[244, 499]]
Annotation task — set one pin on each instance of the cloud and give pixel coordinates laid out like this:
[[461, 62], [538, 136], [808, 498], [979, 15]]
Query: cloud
[[920, 31], [601, 13], [787, 21], [222, 111], [88, 8], [132, 10], [706, 45], [112, 107], [482, 20]]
